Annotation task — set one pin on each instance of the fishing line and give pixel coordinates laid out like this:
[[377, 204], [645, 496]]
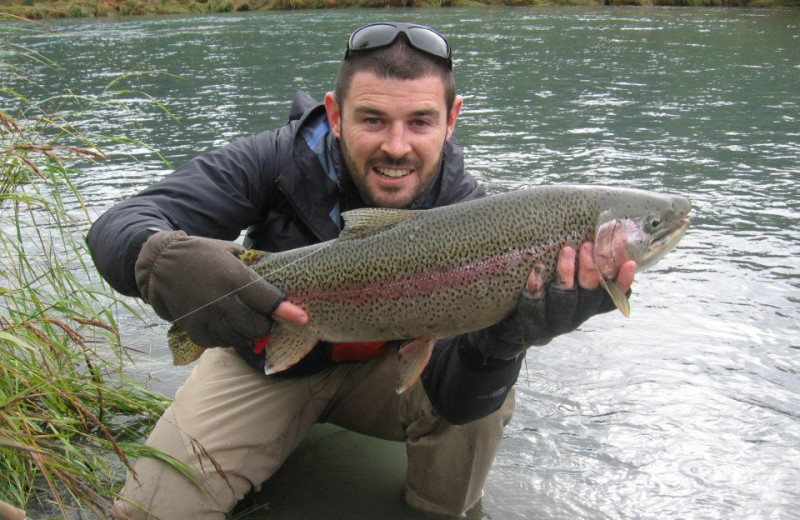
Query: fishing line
[[260, 277]]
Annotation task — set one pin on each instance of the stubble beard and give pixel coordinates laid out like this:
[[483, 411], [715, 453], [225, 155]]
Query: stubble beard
[[360, 181]]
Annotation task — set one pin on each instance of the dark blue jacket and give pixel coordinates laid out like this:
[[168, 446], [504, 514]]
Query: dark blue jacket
[[287, 188]]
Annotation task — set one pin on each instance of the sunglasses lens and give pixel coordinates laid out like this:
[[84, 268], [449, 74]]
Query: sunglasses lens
[[372, 36], [425, 39], [381, 34]]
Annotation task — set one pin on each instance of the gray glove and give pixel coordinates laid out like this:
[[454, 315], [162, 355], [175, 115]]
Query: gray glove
[[200, 284], [536, 321]]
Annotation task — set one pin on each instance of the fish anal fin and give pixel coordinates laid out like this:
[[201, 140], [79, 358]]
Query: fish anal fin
[[285, 348], [617, 296], [413, 358], [365, 221]]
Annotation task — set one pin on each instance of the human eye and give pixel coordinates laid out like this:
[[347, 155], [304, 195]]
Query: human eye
[[371, 121], [422, 124], [424, 120]]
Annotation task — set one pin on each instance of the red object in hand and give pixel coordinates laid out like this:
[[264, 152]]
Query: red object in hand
[[260, 344]]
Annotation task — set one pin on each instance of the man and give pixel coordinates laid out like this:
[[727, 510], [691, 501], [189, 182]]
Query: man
[[384, 138]]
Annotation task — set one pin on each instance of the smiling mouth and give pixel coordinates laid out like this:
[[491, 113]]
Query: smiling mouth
[[392, 173]]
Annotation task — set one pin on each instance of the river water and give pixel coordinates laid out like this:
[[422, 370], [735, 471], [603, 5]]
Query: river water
[[688, 409]]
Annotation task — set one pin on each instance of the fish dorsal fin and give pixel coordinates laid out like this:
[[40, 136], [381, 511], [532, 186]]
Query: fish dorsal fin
[[365, 221]]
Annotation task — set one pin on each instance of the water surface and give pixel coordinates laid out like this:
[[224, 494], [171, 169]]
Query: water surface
[[688, 409]]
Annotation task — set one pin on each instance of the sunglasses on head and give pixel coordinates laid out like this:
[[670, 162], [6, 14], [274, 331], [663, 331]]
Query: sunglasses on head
[[381, 34]]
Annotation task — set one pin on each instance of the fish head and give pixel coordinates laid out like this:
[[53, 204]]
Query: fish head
[[641, 226]]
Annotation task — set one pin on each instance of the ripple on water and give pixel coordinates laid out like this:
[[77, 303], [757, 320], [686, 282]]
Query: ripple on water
[[686, 410]]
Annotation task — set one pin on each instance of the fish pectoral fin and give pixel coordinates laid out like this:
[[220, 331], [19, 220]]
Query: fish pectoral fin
[[181, 346], [285, 348], [413, 358], [365, 221], [617, 296]]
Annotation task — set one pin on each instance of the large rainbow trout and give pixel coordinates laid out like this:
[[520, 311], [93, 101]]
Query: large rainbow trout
[[426, 275]]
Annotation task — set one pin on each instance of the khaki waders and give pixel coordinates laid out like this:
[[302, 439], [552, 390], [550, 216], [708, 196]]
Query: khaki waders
[[250, 423]]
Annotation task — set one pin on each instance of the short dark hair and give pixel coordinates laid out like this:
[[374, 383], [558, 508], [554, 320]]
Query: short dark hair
[[398, 61]]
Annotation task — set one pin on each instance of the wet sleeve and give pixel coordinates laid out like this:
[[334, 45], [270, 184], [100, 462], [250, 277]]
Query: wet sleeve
[[216, 195], [463, 385]]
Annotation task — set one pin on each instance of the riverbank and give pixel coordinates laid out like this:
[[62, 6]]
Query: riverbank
[[107, 8], [71, 418]]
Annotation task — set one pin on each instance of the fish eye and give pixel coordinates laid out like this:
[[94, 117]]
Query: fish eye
[[653, 222]]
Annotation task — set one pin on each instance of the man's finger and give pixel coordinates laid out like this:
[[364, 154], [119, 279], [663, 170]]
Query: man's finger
[[291, 313], [536, 282], [626, 274], [588, 275], [566, 268]]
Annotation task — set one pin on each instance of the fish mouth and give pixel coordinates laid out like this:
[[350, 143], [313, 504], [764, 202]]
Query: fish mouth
[[670, 236], [662, 243]]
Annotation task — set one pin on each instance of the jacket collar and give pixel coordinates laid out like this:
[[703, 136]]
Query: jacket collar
[[312, 194]]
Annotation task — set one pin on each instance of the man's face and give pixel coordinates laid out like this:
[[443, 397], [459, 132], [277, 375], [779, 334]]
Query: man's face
[[392, 134]]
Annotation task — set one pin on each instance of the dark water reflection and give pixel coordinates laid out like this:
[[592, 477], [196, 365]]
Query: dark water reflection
[[689, 409]]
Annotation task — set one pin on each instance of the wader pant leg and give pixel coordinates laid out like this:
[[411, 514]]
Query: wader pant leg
[[250, 423], [447, 464]]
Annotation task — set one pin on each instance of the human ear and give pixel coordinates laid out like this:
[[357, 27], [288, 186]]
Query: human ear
[[458, 103], [334, 114]]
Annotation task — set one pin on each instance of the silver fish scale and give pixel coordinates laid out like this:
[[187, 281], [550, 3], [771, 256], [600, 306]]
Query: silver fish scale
[[444, 271]]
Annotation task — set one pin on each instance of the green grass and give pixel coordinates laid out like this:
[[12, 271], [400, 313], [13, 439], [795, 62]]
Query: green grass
[[70, 418]]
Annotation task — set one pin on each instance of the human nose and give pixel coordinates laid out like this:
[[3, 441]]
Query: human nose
[[395, 144]]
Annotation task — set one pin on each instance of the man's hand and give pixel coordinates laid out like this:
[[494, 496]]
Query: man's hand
[[547, 309], [588, 275], [200, 284]]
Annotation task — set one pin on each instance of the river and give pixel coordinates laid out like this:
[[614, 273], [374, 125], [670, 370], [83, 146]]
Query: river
[[688, 409]]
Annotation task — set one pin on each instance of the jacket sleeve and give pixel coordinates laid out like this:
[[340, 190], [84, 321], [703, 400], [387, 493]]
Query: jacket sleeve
[[217, 195]]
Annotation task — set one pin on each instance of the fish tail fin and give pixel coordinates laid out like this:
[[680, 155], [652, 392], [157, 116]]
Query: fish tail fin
[[414, 357], [285, 348], [617, 296], [183, 349]]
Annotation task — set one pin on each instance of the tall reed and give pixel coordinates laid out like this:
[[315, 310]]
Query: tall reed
[[68, 412]]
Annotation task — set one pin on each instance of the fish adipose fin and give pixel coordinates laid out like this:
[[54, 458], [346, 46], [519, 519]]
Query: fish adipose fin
[[365, 221], [414, 357], [617, 296], [285, 348]]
